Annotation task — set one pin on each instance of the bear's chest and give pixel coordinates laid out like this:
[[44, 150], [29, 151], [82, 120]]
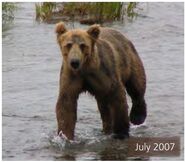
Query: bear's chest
[[97, 83]]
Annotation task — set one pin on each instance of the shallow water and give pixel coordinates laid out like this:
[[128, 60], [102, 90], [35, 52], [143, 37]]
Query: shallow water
[[31, 65]]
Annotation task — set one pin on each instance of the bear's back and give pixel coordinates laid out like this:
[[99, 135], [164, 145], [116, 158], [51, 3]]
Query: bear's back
[[121, 46], [113, 36]]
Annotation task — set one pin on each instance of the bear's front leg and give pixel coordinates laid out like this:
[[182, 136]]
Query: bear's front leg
[[105, 115], [66, 107], [119, 111], [66, 114]]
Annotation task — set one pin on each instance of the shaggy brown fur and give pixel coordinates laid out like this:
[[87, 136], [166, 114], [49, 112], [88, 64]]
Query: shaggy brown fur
[[104, 63]]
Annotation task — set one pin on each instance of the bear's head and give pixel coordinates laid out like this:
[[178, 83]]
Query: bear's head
[[77, 45]]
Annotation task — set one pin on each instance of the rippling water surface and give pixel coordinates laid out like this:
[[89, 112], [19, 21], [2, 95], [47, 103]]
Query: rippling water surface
[[31, 65]]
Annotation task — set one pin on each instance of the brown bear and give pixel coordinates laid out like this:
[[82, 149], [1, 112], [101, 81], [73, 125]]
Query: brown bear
[[106, 64]]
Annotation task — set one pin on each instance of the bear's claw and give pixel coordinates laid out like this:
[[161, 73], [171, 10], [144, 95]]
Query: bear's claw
[[62, 135]]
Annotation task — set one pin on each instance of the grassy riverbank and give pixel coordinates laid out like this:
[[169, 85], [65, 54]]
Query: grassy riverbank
[[85, 12]]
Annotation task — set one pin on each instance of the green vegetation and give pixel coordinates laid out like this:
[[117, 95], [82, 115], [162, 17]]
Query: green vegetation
[[8, 9], [44, 10], [130, 9], [98, 11]]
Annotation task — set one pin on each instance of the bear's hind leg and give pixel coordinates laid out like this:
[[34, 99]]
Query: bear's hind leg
[[136, 90], [138, 112]]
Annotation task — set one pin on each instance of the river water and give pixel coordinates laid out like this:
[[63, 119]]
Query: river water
[[31, 65]]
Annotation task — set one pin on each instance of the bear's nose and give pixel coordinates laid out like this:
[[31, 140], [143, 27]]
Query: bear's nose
[[75, 63]]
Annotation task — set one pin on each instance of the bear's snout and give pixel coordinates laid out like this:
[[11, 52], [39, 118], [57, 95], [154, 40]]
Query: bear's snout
[[75, 63]]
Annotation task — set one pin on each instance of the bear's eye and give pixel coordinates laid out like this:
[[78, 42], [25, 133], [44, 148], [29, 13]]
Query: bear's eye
[[69, 45], [82, 46]]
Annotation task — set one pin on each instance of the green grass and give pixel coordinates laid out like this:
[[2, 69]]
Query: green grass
[[44, 10], [8, 9], [101, 11], [130, 9], [106, 10]]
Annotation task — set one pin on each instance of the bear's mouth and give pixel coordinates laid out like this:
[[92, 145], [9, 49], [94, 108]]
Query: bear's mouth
[[75, 70]]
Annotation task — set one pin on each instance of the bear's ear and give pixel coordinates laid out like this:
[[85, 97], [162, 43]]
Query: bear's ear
[[60, 28], [94, 31]]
